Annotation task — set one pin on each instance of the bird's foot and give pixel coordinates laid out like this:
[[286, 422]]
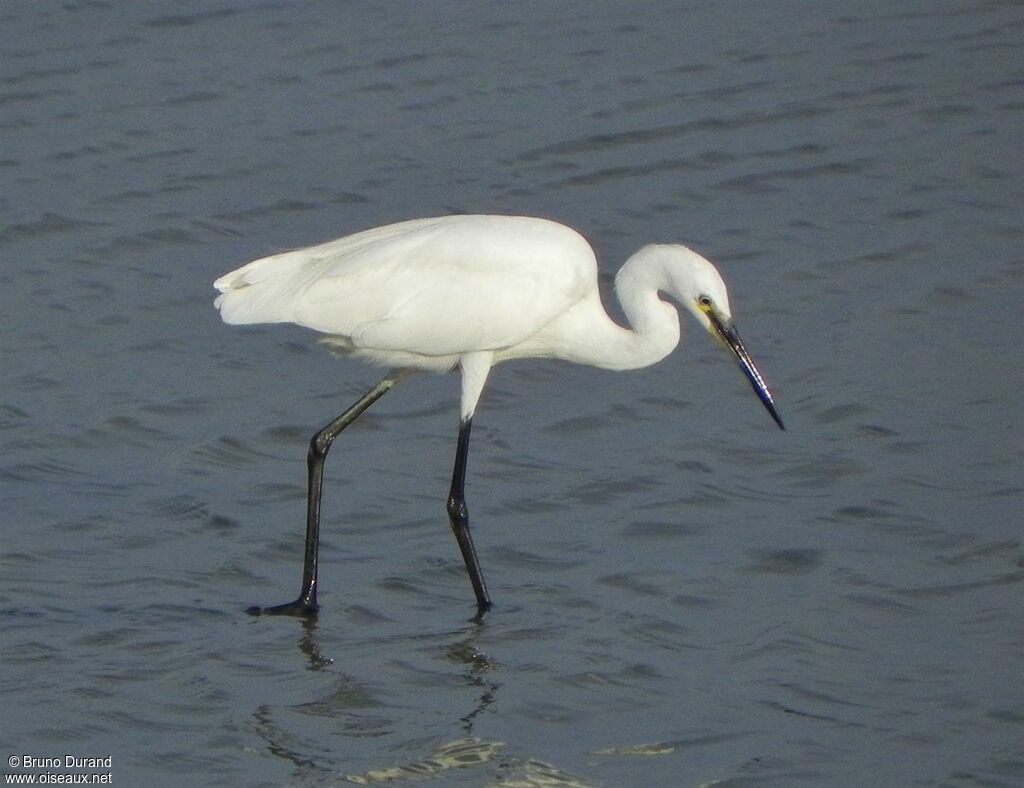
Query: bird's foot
[[302, 606], [482, 609]]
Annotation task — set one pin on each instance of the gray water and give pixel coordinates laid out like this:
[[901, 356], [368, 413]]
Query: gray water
[[684, 594]]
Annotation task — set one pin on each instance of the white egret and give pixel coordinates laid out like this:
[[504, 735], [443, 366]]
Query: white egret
[[469, 292]]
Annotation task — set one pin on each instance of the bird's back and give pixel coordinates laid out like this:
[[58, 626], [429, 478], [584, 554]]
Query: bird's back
[[431, 287]]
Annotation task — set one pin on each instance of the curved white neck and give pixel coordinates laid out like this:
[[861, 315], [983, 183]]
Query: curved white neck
[[654, 323], [653, 330]]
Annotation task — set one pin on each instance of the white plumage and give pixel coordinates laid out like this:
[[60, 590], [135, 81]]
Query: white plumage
[[469, 292]]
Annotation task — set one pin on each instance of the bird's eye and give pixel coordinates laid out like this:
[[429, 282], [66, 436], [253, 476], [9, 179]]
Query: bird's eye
[[704, 301]]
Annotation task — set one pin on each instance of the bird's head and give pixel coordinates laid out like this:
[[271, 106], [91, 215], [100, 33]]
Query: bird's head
[[697, 282]]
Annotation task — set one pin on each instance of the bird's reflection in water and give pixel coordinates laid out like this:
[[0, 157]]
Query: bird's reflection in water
[[479, 673], [351, 709], [310, 646]]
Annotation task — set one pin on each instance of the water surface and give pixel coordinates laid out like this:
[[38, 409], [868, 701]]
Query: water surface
[[685, 595]]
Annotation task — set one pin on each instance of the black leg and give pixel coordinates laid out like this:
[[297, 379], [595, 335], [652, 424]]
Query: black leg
[[458, 514], [318, 447]]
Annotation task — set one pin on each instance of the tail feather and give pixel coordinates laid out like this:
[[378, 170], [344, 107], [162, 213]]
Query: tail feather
[[259, 292]]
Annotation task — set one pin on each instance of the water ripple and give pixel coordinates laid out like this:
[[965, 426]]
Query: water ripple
[[683, 597]]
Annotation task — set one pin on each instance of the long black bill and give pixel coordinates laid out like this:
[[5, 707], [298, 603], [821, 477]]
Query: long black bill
[[728, 334]]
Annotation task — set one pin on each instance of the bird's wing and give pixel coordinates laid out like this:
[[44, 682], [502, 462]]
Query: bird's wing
[[271, 289], [481, 283]]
